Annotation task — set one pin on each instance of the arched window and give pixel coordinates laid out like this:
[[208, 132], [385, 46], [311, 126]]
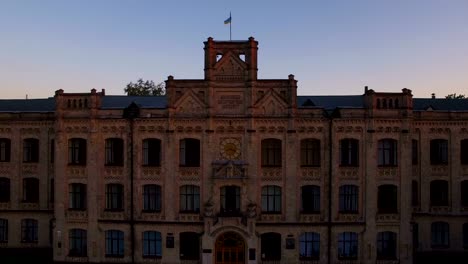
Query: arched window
[[152, 198], [387, 152], [440, 235], [114, 243], [152, 152], [189, 152], [30, 190], [78, 243], [114, 197], [439, 193], [439, 152], [114, 152], [189, 246], [270, 246], [230, 200], [190, 199], [4, 190], [310, 201], [5, 150], [464, 151], [309, 246], [349, 152], [386, 245], [77, 151], [152, 244], [29, 232], [349, 198], [347, 245], [3, 230], [387, 199], [30, 150], [77, 196]]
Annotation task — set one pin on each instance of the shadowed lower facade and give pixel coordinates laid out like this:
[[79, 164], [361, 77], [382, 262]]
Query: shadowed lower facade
[[234, 169]]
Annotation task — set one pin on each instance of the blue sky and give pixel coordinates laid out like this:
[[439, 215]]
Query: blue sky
[[332, 47]]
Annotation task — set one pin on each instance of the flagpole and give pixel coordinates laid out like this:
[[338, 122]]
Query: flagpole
[[230, 24]]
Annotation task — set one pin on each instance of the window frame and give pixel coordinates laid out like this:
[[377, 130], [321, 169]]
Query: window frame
[[349, 152], [270, 246], [77, 151], [348, 246], [151, 152], [189, 246], [309, 240], [152, 198], [439, 193], [30, 150], [349, 199], [271, 199], [31, 190], [5, 190], [439, 154], [114, 152], [387, 152], [225, 194], [152, 244], [310, 152], [114, 197], [189, 199], [115, 244], [386, 245], [310, 199], [387, 199], [5, 150], [189, 152], [440, 235], [29, 230], [271, 152], [77, 196], [77, 246]]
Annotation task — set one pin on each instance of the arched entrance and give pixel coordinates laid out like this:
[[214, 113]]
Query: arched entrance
[[230, 249]]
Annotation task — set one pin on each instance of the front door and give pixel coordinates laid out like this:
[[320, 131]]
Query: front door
[[230, 249]]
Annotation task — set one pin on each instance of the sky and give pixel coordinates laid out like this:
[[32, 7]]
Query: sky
[[332, 47]]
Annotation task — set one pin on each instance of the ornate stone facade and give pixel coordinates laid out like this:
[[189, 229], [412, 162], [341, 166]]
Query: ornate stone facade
[[235, 159]]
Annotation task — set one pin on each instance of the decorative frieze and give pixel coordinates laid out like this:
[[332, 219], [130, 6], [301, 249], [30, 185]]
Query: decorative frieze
[[113, 215], [189, 217], [387, 218], [349, 172], [150, 173], [311, 218], [387, 172], [5, 206], [5, 169], [310, 173], [150, 216], [189, 173], [76, 172], [272, 174], [29, 206], [439, 170], [113, 172], [440, 209], [310, 129], [76, 215], [348, 218], [29, 169], [348, 129], [271, 217]]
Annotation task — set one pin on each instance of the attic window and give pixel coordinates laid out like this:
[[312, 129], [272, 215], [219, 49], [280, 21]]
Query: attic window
[[396, 103], [242, 57], [378, 103], [308, 102], [218, 57]]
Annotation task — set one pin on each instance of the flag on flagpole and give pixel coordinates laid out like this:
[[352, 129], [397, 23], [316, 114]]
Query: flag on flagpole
[[228, 21]]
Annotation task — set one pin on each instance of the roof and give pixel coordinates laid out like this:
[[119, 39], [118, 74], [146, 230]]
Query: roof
[[27, 105], [122, 101], [160, 102], [331, 102], [422, 104]]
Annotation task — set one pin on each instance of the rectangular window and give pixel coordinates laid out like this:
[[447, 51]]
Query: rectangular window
[[3, 230], [5, 149], [114, 197], [310, 153], [190, 199], [439, 152], [29, 231], [414, 193], [189, 246], [114, 243], [348, 245], [77, 151], [387, 151], [152, 198], [31, 190], [4, 190], [440, 235], [271, 199], [78, 244], [151, 152], [349, 198], [309, 244], [386, 245], [152, 244], [414, 152], [77, 196], [349, 152], [271, 153], [31, 150], [189, 152], [114, 152], [310, 199]]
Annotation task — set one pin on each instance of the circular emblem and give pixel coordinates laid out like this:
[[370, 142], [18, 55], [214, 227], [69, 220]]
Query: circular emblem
[[230, 148]]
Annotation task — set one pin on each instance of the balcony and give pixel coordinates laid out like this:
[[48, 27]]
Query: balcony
[[311, 173], [272, 173], [76, 172], [439, 170], [349, 172], [189, 173], [440, 209], [111, 172], [76, 215], [387, 172], [29, 169], [387, 218], [151, 173]]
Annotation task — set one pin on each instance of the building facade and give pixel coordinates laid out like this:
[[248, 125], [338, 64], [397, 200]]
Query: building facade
[[234, 169]]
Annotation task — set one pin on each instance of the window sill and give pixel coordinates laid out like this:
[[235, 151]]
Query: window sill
[[113, 165], [77, 209], [310, 212], [76, 164], [388, 166], [189, 166], [310, 166], [348, 166], [271, 213], [151, 211], [189, 212], [74, 255], [349, 212], [152, 257], [29, 242], [151, 165], [114, 210], [114, 256]]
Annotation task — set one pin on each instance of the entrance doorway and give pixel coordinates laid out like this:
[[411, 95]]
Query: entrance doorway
[[230, 249]]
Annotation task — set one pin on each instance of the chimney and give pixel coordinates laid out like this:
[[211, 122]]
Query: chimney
[[433, 95]]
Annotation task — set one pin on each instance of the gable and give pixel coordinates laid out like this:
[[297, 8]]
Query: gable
[[230, 67]]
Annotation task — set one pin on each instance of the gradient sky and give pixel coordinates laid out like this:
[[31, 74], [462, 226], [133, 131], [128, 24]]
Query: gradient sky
[[332, 47]]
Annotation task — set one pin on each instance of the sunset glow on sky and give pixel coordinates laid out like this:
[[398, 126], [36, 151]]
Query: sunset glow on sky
[[332, 47]]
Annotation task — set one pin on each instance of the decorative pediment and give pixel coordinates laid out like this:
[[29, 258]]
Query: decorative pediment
[[225, 169], [189, 102], [230, 67], [271, 104]]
